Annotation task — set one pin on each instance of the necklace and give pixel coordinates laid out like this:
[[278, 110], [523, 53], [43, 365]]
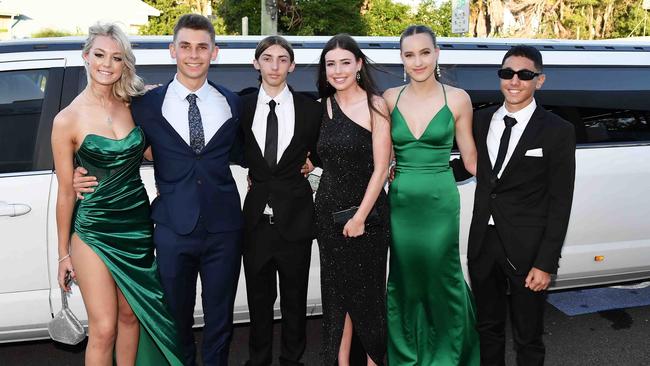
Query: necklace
[[102, 102]]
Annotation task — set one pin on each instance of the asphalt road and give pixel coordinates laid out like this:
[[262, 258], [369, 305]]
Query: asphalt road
[[616, 337]]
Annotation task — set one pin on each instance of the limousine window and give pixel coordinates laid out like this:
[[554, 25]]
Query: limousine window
[[604, 106], [21, 100]]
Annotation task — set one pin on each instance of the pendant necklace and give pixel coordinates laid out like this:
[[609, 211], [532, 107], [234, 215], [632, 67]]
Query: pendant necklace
[[109, 119]]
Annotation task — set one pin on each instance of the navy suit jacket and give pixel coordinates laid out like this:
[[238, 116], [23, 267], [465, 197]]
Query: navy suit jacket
[[191, 185]]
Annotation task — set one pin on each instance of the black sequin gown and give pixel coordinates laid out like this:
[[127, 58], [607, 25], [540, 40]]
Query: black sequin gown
[[353, 270]]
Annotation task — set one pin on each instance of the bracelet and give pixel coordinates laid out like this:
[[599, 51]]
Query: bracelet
[[64, 257]]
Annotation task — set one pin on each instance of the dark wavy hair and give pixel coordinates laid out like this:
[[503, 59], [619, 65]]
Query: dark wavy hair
[[366, 82]]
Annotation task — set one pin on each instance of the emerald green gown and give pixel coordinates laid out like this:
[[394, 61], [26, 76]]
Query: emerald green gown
[[431, 317], [114, 222]]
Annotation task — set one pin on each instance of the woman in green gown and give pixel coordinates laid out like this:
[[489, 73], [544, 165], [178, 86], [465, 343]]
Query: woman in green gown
[[431, 318], [105, 240]]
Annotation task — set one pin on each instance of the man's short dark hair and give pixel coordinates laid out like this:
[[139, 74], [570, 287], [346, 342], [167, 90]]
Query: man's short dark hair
[[272, 41], [195, 22], [528, 52]]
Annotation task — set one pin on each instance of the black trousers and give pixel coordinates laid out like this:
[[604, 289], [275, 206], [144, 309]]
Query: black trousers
[[268, 256], [497, 290]]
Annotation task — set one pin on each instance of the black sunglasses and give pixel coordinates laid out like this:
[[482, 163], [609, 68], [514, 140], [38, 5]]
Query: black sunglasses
[[524, 74]]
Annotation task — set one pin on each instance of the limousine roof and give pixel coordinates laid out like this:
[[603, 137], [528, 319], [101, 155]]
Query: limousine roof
[[317, 42]]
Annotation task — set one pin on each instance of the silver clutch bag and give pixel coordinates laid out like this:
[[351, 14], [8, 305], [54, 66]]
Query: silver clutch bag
[[65, 327], [314, 181]]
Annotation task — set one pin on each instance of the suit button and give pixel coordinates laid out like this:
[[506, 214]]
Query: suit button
[[198, 181], [493, 195]]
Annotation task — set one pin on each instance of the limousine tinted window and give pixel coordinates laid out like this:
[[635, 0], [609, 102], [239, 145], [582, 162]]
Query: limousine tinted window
[[604, 104], [21, 101]]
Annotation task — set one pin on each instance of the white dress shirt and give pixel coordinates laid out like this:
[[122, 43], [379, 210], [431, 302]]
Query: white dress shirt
[[284, 109], [214, 108], [497, 126]]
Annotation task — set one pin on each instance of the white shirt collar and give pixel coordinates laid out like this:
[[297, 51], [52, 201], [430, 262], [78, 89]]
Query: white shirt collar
[[182, 92], [283, 97], [522, 116]]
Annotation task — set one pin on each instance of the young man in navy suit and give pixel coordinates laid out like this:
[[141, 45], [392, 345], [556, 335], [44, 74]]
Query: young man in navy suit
[[192, 126], [522, 204], [280, 127]]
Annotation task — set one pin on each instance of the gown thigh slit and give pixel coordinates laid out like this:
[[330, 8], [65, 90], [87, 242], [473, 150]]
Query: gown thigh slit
[[114, 222], [431, 315], [353, 270]]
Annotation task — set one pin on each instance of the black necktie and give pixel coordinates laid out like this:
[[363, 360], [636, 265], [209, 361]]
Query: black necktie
[[503, 144], [197, 137], [271, 144]]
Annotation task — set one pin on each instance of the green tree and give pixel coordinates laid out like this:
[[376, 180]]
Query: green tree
[[386, 18], [573, 19], [330, 17], [232, 11], [49, 32], [437, 17], [630, 19], [170, 11]]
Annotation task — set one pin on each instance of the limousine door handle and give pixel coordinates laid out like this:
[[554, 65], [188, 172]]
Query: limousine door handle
[[13, 209]]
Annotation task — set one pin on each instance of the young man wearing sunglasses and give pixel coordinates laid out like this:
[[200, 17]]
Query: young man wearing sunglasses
[[525, 176]]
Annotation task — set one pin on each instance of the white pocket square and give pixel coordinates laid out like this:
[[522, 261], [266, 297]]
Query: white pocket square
[[535, 152]]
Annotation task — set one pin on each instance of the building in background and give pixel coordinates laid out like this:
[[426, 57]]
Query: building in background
[[24, 18]]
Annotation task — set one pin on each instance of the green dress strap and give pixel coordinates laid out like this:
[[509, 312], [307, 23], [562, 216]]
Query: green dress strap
[[400, 94], [444, 92]]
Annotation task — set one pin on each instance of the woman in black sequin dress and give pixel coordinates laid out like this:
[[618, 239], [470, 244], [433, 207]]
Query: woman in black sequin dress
[[354, 146]]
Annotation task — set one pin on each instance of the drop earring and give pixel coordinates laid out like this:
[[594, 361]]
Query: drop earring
[[438, 71], [404, 75], [358, 77]]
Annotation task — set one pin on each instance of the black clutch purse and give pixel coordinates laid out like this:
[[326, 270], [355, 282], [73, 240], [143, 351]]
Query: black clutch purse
[[342, 217]]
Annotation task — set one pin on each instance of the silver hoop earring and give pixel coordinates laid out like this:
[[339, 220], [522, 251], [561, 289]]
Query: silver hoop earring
[[438, 70], [358, 77]]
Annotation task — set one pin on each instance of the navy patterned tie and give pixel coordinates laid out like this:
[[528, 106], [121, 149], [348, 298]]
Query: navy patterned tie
[[503, 144], [197, 138]]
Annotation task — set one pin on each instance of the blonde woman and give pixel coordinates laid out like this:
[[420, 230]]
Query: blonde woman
[[105, 240]]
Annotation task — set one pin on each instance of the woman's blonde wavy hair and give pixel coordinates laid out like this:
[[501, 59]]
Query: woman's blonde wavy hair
[[129, 85]]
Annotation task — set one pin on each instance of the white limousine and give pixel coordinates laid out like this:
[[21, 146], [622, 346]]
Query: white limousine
[[602, 88]]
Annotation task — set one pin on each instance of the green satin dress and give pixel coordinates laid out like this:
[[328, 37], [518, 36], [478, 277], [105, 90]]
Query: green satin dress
[[431, 315], [114, 221]]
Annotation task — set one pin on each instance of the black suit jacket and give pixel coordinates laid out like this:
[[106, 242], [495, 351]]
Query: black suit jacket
[[284, 187], [531, 202]]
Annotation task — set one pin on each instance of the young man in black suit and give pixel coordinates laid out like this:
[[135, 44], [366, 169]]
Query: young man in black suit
[[525, 176], [280, 128]]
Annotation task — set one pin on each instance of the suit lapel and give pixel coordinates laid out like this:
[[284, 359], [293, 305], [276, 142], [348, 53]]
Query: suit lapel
[[248, 116], [160, 98], [532, 130], [235, 109], [298, 126]]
